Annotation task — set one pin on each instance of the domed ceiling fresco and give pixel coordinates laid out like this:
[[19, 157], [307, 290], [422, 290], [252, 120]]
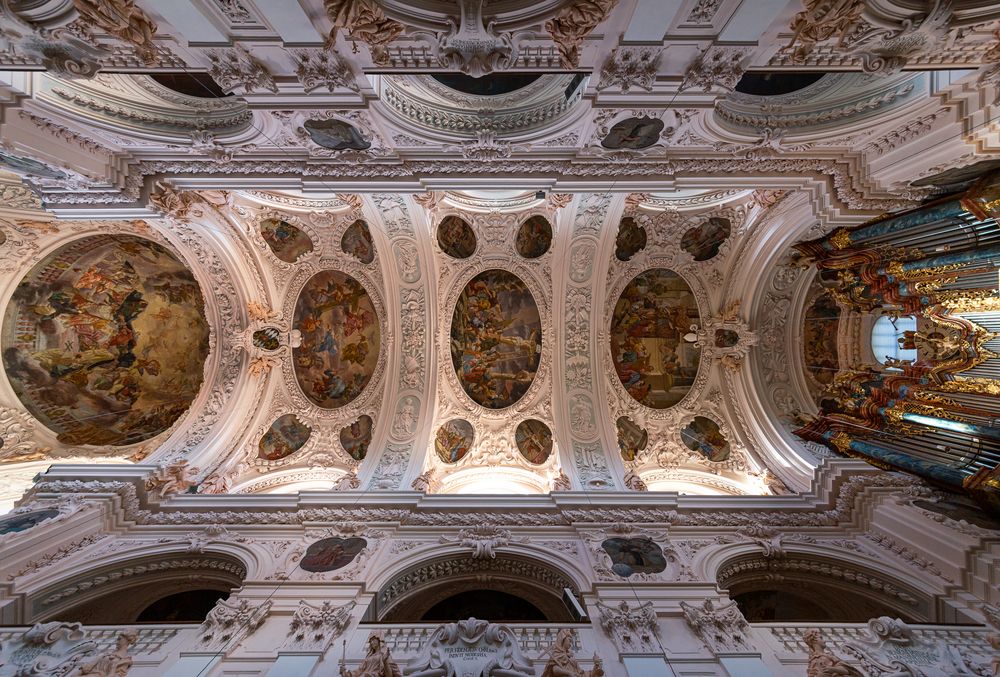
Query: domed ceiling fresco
[[340, 339], [496, 339], [105, 340], [654, 361]]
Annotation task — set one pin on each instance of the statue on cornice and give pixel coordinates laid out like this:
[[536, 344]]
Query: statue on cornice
[[112, 663], [378, 662], [822, 663], [562, 663]]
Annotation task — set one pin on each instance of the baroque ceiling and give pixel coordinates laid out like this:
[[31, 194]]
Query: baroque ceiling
[[456, 247]]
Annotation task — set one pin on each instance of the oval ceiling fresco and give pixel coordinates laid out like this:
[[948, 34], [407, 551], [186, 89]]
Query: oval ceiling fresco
[[453, 440], [357, 242], [653, 359], [105, 340], [285, 436], [631, 239], [533, 237], [286, 241], [456, 237], [496, 339], [340, 339], [632, 439], [534, 440], [356, 437]]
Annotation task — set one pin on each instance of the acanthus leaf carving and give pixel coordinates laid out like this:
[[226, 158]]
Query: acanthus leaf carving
[[230, 621], [318, 626], [722, 628]]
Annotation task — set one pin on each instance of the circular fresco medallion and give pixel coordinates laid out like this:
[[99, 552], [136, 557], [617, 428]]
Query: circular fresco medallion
[[703, 241], [633, 133], [496, 339], [357, 242], [634, 556], [631, 438], [356, 437], [330, 554], [335, 135], [340, 339], [534, 440], [454, 440], [268, 338], [456, 237], [631, 239], [649, 330], [285, 241], [703, 435], [534, 237], [285, 436], [105, 340]]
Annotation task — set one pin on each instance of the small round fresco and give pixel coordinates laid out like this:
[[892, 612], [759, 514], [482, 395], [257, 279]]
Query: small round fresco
[[330, 554], [631, 438], [285, 436], [634, 556], [534, 440], [357, 242], [356, 437], [453, 440], [284, 240], [703, 435], [631, 239], [633, 134], [335, 135], [704, 241], [534, 237], [650, 328], [456, 237], [340, 339], [105, 340], [496, 339]]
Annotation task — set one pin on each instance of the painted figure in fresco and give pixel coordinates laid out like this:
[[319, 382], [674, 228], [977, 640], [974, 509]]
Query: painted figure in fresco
[[631, 438], [654, 362], [534, 440], [453, 440], [533, 237], [378, 662], [456, 238], [495, 339], [330, 554], [704, 241], [335, 135], [106, 340], [562, 662], [634, 134], [357, 242], [631, 239], [703, 435], [286, 241], [340, 334]]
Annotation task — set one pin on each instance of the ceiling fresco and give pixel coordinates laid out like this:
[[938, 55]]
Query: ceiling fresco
[[286, 241], [285, 436], [534, 440], [654, 360], [105, 340], [456, 237], [534, 237], [340, 342], [496, 339]]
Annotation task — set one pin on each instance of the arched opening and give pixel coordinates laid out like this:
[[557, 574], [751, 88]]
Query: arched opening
[[503, 589], [190, 606], [171, 588], [812, 588], [494, 605]]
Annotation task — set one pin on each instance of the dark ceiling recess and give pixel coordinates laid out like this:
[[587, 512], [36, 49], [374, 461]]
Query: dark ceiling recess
[[488, 85], [192, 84], [771, 83]]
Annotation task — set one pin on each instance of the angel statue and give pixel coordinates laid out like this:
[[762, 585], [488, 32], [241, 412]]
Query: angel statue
[[378, 662], [563, 664]]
